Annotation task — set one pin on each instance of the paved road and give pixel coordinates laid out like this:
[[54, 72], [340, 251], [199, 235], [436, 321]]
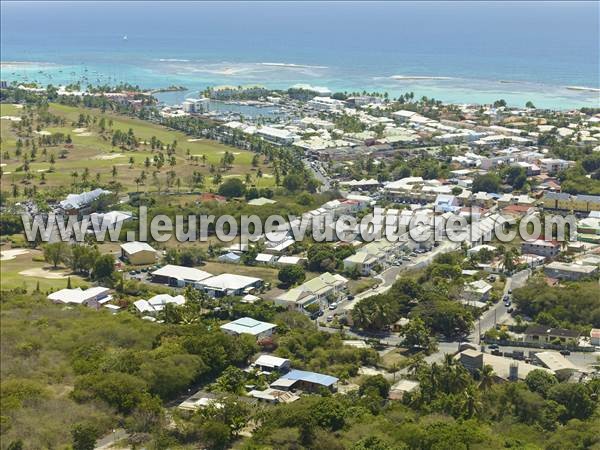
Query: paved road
[[325, 182], [498, 313], [109, 440]]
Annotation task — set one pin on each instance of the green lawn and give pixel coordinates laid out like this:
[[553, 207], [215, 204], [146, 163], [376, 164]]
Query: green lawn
[[96, 153], [361, 285], [33, 261]]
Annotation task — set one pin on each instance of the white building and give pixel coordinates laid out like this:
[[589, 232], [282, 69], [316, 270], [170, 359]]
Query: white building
[[157, 303], [93, 297], [179, 275], [247, 325], [229, 284], [196, 105], [138, 253], [277, 135], [325, 104]]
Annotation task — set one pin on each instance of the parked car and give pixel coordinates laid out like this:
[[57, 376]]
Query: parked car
[[510, 310], [565, 352], [350, 297], [333, 306], [494, 346], [329, 318]]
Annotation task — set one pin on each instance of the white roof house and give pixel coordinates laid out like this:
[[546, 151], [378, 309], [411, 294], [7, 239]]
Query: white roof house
[[190, 274], [478, 288], [265, 258], [229, 284], [229, 281], [157, 303], [77, 201], [272, 362], [296, 299], [110, 218], [289, 260], [80, 296], [247, 325], [324, 285], [135, 247], [138, 253]]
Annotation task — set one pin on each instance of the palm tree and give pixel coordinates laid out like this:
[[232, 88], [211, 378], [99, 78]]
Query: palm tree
[[361, 316], [486, 377], [471, 403]]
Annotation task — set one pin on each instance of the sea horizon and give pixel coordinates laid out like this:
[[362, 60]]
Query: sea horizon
[[201, 45]]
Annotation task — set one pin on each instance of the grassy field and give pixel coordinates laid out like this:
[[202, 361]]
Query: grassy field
[[40, 271], [361, 285], [94, 151]]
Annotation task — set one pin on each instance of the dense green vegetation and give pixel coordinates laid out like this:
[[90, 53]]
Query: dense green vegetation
[[428, 297], [573, 305], [68, 372], [452, 410]]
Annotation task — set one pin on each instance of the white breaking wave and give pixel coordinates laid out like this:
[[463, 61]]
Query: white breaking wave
[[292, 66], [417, 77], [173, 60], [583, 88], [15, 65]]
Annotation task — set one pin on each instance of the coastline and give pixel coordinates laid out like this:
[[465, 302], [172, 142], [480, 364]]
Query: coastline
[[280, 75]]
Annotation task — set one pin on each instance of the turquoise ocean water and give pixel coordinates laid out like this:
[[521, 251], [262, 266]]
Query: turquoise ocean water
[[460, 52]]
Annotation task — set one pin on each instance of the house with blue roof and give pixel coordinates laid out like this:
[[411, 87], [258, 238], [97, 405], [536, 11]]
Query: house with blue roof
[[305, 381]]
